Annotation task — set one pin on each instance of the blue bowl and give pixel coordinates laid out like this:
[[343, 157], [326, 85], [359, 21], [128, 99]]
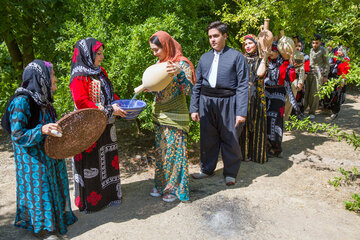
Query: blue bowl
[[137, 106]]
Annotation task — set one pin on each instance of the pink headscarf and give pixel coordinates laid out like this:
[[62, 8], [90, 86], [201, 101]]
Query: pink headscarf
[[173, 50]]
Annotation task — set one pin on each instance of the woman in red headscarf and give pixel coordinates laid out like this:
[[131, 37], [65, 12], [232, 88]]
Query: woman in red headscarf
[[171, 120], [339, 66]]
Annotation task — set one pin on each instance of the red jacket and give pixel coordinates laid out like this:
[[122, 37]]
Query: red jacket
[[307, 66], [80, 89], [292, 73]]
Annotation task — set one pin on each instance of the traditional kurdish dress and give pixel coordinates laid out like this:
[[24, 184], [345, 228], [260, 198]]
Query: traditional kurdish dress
[[338, 67], [253, 138], [43, 201], [171, 120], [96, 170], [277, 85]]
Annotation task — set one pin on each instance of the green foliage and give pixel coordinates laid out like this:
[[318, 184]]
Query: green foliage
[[194, 133], [8, 83], [352, 78], [348, 178], [335, 20], [123, 26], [125, 31], [332, 130], [353, 205], [335, 182]]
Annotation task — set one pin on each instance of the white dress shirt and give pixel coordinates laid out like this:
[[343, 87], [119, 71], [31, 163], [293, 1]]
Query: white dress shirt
[[214, 69]]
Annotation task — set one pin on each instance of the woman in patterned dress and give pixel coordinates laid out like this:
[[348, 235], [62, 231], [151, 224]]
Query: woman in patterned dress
[[280, 75], [253, 138], [96, 170], [171, 121], [43, 201]]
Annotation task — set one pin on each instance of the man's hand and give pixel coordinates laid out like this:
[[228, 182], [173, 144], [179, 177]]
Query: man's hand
[[239, 119], [195, 117]]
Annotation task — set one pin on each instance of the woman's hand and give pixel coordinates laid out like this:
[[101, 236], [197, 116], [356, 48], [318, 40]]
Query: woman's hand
[[118, 111], [266, 53], [299, 87], [173, 69], [52, 129]]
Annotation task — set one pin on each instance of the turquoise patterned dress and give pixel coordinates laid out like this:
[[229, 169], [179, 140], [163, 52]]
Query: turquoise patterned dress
[[171, 173], [43, 201]]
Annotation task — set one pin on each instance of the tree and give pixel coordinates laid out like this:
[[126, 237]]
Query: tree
[[338, 20], [30, 28]]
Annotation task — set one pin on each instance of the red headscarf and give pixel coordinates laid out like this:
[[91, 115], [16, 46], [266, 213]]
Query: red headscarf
[[344, 66], [173, 50]]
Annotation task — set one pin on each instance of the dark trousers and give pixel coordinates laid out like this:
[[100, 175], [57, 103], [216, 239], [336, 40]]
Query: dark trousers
[[217, 130]]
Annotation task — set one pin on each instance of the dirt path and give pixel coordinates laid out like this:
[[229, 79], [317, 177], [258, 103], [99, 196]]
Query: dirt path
[[286, 198]]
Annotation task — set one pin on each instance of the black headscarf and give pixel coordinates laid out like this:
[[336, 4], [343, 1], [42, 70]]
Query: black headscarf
[[82, 63], [37, 86], [272, 77], [37, 82]]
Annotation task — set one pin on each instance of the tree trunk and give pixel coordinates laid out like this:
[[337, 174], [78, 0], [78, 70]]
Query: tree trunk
[[28, 50], [14, 50]]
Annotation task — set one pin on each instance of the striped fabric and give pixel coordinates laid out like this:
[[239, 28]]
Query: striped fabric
[[172, 113]]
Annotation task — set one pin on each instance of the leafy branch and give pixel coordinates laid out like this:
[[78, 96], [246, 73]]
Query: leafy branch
[[332, 130], [347, 178]]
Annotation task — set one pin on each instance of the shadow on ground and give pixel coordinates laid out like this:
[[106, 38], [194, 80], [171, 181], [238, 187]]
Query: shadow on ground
[[136, 152]]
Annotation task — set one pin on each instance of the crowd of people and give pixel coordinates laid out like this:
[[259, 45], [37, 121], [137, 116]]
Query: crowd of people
[[240, 99]]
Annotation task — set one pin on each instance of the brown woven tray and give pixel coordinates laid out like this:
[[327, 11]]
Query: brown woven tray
[[80, 129]]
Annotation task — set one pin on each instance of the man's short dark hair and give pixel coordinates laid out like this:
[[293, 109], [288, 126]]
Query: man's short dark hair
[[316, 37], [297, 37], [222, 27]]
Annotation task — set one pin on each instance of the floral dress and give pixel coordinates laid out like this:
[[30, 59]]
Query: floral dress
[[96, 170], [43, 201], [171, 120]]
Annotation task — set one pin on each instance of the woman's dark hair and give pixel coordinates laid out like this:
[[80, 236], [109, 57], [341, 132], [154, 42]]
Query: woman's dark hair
[[155, 40], [219, 26]]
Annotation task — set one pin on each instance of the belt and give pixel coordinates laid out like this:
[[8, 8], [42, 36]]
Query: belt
[[217, 92]]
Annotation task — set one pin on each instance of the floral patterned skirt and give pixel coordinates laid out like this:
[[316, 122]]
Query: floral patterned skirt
[[97, 175], [171, 173]]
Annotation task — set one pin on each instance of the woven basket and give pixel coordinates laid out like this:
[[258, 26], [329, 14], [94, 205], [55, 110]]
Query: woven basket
[[80, 129]]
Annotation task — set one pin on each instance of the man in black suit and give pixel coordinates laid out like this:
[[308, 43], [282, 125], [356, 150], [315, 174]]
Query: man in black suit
[[219, 101]]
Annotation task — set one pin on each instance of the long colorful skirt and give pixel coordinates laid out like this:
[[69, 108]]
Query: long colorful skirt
[[254, 136], [43, 200], [171, 173], [275, 101], [97, 175], [42, 185]]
